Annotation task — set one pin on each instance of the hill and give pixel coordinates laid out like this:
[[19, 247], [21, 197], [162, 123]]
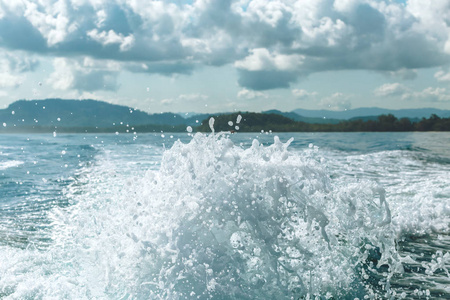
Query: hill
[[255, 122], [296, 117], [98, 116], [417, 113], [249, 122], [80, 113]]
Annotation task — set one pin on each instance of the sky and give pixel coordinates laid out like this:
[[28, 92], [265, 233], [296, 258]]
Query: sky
[[228, 55]]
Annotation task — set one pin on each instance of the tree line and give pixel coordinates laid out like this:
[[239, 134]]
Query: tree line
[[256, 122]]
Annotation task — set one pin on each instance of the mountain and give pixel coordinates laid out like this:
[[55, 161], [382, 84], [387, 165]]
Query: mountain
[[258, 122], [250, 122], [196, 120], [296, 117], [373, 111], [80, 113]]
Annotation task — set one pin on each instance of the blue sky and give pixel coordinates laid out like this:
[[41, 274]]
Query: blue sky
[[225, 55]]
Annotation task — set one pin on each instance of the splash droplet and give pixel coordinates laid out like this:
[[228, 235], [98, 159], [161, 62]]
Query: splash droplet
[[211, 124]]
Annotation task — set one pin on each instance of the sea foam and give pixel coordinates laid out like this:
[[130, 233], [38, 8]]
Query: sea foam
[[221, 221], [215, 221]]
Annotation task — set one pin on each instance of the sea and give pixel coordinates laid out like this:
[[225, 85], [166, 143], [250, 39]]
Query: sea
[[225, 216]]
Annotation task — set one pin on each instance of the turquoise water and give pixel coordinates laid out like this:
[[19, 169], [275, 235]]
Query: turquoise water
[[245, 216]]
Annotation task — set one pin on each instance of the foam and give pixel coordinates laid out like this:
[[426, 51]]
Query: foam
[[215, 221], [10, 164]]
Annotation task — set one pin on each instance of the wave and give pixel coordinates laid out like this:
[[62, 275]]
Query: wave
[[214, 221], [10, 164]]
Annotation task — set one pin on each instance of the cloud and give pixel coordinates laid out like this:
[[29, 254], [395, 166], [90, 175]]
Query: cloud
[[404, 74], [442, 76], [262, 70], [84, 75], [185, 98], [192, 97], [266, 80], [12, 67], [162, 68], [336, 101], [111, 37], [249, 94], [261, 59], [429, 94], [8, 80], [390, 90], [303, 94], [272, 43]]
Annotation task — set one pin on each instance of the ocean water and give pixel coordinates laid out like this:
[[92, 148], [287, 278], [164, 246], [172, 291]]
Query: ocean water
[[241, 216]]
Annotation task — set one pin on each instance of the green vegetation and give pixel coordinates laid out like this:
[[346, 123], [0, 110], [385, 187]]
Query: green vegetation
[[89, 116], [255, 122], [80, 113]]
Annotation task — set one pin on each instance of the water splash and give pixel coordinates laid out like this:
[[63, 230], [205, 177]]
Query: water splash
[[216, 221], [262, 223]]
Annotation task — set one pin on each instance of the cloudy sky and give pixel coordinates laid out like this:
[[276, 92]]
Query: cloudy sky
[[225, 55]]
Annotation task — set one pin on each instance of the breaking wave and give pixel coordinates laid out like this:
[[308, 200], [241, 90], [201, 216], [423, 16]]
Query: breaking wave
[[215, 221]]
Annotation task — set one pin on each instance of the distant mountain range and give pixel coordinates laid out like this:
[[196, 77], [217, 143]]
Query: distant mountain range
[[303, 118], [373, 111], [98, 114], [83, 113]]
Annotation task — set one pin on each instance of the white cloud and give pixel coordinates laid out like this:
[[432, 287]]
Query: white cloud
[[261, 59], [404, 74], [51, 19], [167, 101], [12, 68], [249, 94], [62, 77], [111, 37], [184, 99], [271, 43], [192, 97], [8, 80], [336, 101], [390, 89], [269, 12], [83, 75], [442, 76], [429, 94], [303, 94], [433, 20]]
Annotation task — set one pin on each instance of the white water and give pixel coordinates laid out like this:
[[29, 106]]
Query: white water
[[10, 164], [220, 221]]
